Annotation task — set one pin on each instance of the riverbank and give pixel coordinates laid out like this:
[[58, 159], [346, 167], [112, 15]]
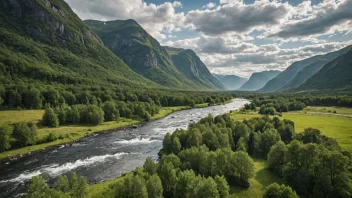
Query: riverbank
[[70, 133]]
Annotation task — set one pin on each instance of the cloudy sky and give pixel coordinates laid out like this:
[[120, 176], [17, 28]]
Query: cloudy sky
[[234, 36]]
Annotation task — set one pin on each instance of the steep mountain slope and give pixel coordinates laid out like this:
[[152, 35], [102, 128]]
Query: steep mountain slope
[[231, 82], [300, 71], [258, 80], [336, 75], [45, 41], [128, 40], [189, 64], [303, 74]]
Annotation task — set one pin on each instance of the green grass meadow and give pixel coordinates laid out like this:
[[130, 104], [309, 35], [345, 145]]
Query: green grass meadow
[[262, 178]]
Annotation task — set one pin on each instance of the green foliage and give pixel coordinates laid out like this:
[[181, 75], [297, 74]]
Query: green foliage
[[222, 186], [63, 187], [5, 137], [25, 133], [276, 191], [207, 189], [133, 186], [292, 102], [149, 166], [243, 165], [33, 99], [276, 157], [267, 110], [176, 145], [51, 137], [110, 111], [168, 178], [313, 168], [91, 114], [154, 186], [50, 119]]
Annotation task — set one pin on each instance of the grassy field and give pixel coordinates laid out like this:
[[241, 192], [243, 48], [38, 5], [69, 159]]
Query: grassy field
[[104, 189], [13, 116], [262, 178], [334, 126], [337, 127], [338, 110], [74, 131]]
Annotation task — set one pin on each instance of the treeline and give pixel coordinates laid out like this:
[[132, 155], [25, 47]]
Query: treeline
[[23, 134], [37, 96], [94, 114], [64, 186], [291, 102]]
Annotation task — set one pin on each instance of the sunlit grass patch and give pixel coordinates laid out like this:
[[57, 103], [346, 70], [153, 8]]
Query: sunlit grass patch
[[262, 178]]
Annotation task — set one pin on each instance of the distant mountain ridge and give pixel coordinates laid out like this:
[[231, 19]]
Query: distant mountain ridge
[[258, 80], [335, 75], [188, 63], [300, 71], [231, 82], [144, 54]]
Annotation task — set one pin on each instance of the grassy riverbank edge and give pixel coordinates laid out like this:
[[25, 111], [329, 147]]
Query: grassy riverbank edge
[[82, 131]]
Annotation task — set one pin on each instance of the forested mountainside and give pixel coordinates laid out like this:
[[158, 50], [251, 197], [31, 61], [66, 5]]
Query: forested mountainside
[[335, 75], [144, 54], [258, 80], [300, 71], [45, 42], [231, 82]]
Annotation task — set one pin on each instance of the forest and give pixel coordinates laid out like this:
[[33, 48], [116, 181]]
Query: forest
[[83, 106], [216, 153]]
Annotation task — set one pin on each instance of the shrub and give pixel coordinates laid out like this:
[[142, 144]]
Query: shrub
[[50, 119], [51, 137]]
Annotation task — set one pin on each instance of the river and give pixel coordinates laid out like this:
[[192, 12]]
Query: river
[[104, 156]]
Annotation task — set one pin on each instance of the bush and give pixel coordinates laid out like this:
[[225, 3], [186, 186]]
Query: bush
[[92, 114], [51, 137], [50, 119], [276, 191], [61, 137], [25, 133], [5, 137]]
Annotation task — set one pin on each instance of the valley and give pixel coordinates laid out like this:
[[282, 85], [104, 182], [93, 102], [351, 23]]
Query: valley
[[174, 99], [116, 152]]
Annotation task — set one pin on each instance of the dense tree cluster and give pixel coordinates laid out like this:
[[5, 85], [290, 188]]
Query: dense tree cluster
[[309, 162], [313, 165], [37, 95], [64, 187], [291, 102], [203, 160], [19, 135], [94, 114], [169, 179]]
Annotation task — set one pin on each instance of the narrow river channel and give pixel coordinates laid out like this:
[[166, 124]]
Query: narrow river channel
[[104, 156]]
